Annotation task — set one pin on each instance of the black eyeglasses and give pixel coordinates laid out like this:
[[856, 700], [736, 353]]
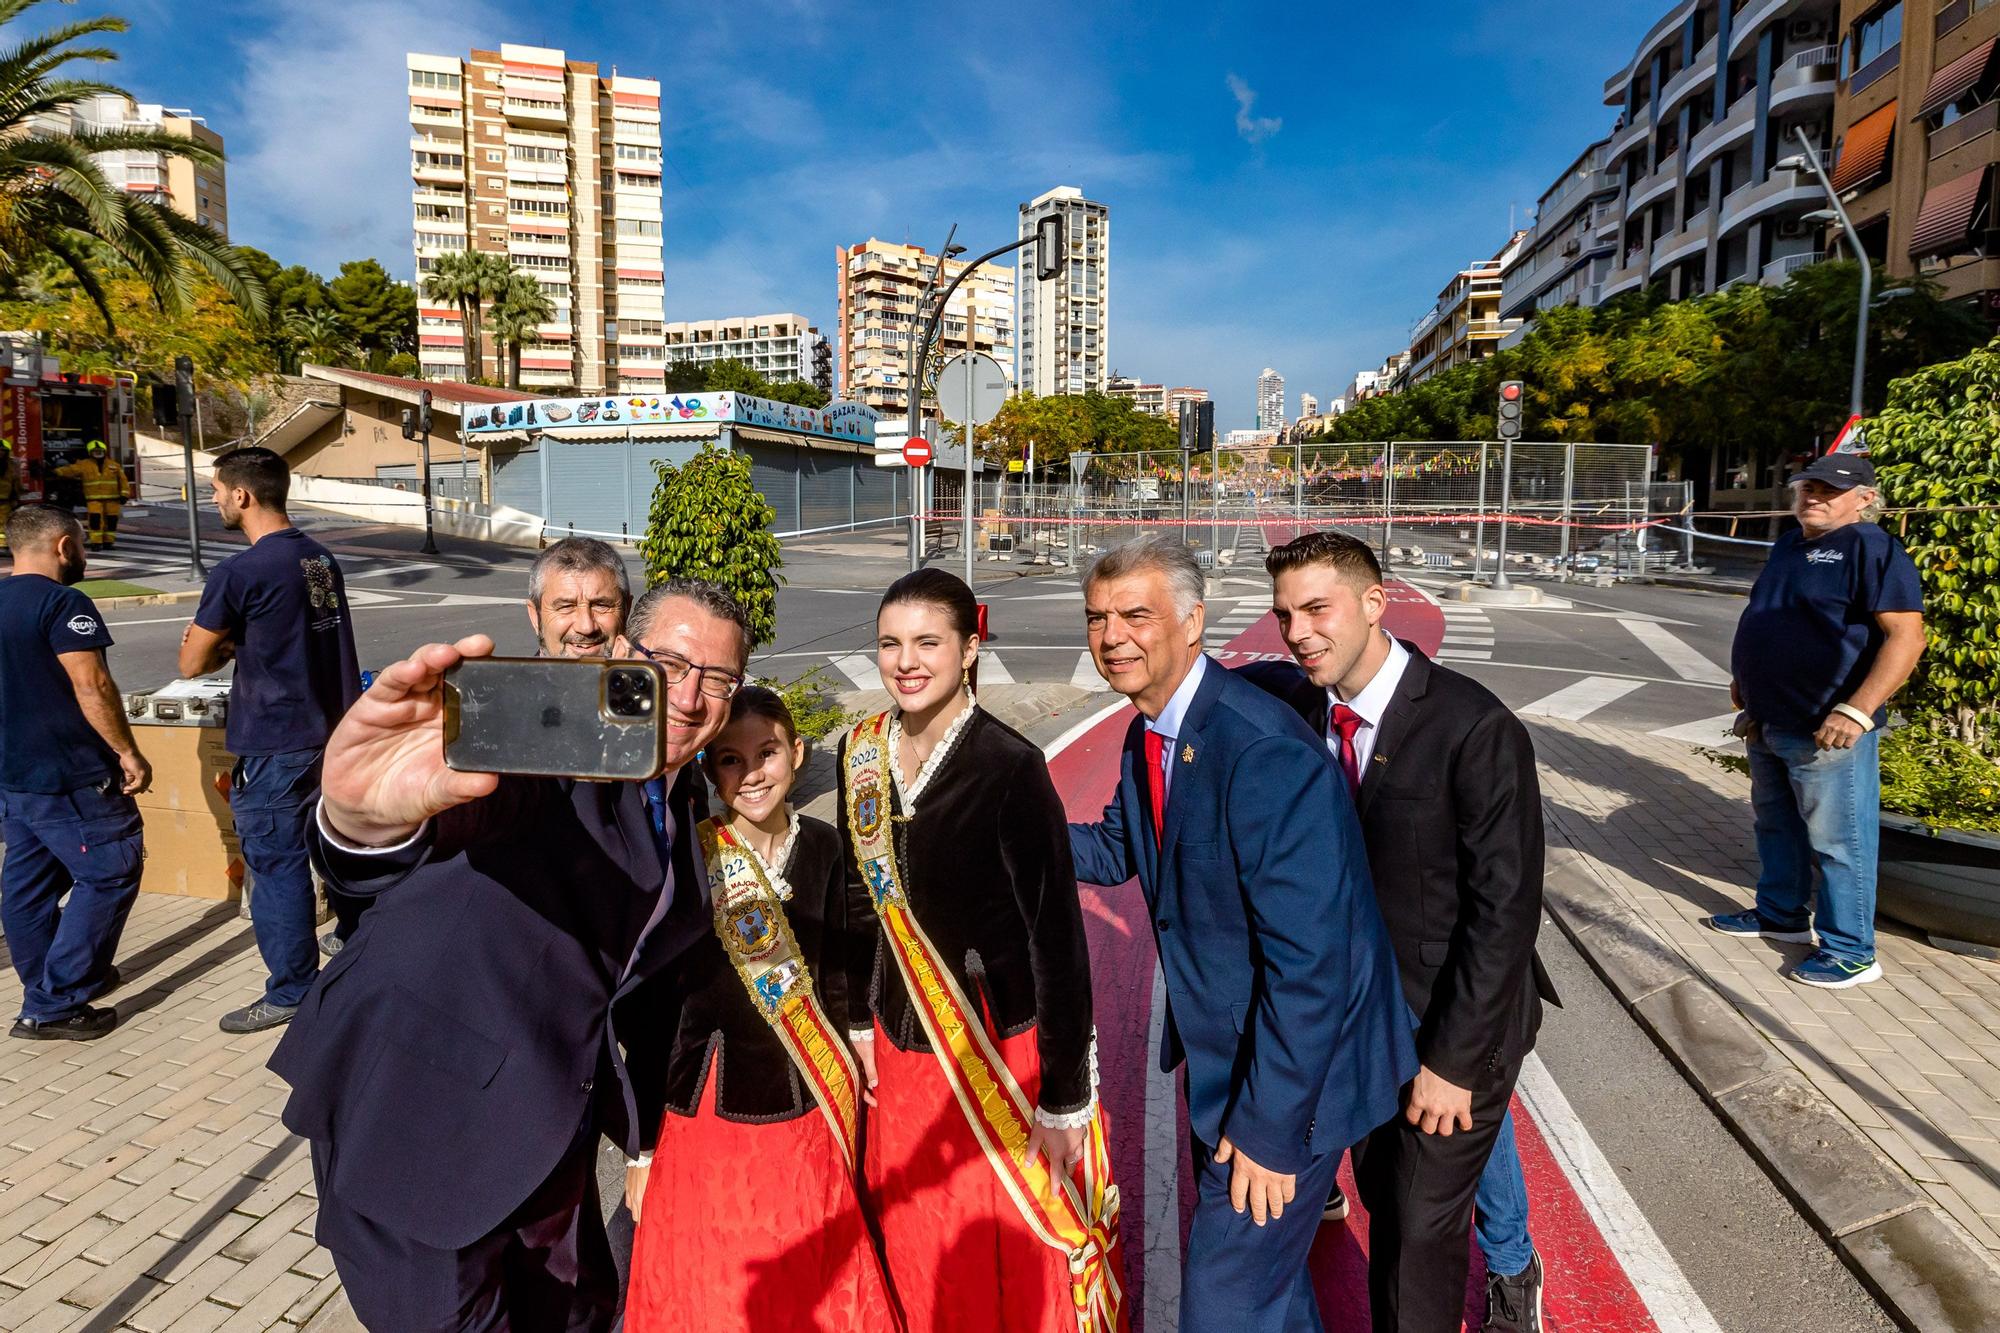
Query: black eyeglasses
[[716, 683]]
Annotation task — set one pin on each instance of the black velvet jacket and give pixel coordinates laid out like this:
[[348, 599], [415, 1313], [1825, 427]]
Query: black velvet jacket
[[986, 865], [712, 1014]]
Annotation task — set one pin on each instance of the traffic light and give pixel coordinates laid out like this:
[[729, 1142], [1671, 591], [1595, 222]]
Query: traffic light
[[1049, 247], [166, 406], [823, 366], [409, 423], [1187, 426], [1507, 421], [1204, 427]]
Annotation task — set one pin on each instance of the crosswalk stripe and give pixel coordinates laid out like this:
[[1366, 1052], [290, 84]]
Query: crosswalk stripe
[[1469, 640], [860, 669], [1085, 676], [1465, 654], [1712, 731], [1580, 700], [992, 671], [1682, 660]]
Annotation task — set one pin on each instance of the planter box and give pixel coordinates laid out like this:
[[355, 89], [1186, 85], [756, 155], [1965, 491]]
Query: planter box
[[1945, 882]]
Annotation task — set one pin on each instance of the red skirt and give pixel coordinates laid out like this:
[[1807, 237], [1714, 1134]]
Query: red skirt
[[753, 1227], [960, 1256]]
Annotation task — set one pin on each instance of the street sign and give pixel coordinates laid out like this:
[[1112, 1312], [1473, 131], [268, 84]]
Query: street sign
[[978, 375], [917, 452]]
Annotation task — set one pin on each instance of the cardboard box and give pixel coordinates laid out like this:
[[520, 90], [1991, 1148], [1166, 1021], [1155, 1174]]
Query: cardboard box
[[189, 855]]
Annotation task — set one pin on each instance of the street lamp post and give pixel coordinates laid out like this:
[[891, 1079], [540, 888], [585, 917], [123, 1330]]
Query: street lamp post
[[1808, 159], [919, 348]]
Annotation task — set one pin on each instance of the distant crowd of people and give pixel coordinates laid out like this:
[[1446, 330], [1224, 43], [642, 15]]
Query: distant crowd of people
[[854, 1065]]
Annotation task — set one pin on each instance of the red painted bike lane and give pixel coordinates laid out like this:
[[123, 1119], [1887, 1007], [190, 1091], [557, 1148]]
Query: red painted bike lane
[[1587, 1284]]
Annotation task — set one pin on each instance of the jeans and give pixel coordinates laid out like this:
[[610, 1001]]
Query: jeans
[[272, 800], [1818, 809], [89, 845], [1500, 1208]]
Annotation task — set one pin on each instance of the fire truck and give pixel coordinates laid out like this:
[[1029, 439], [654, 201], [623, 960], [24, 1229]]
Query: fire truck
[[51, 414]]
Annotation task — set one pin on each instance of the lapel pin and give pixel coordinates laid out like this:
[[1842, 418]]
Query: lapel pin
[[1381, 758], [1187, 754]]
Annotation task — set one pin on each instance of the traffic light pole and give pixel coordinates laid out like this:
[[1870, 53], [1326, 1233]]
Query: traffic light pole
[[424, 424], [184, 392], [1500, 580]]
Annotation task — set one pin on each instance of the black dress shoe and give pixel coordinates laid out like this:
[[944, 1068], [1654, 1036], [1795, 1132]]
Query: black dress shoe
[[86, 1024], [1336, 1207], [1514, 1304], [257, 1017]]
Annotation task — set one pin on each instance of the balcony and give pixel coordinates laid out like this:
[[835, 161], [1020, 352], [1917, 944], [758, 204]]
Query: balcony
[[1651, 189], [526, 111], [1668, 26], [1780, 190], [1751, 19], [424, 115], [1779, 269], [1724, 134], [1624, 140], [1689, 79], [1951, 16], [1798, 85], [1965, 129], [1678, 245], [433, 171], [1627, 278]]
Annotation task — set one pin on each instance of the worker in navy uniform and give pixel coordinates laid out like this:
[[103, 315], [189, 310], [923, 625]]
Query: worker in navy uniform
[[69, 769]]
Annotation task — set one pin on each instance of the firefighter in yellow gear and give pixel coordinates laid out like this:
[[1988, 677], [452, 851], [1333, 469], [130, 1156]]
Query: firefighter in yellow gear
[[10, 488], [105, 490]]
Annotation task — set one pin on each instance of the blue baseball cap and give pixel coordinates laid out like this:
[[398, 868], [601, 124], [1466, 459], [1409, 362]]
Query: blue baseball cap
[[1843, 472]]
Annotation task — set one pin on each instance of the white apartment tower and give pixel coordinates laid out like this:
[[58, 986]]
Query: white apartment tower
[[529, 155], [1065, 342], [1308, 405], [198, 192], [878, 288], [1270, 400]]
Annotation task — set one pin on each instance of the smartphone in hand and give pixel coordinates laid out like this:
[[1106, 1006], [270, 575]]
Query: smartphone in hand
[[556, 716]]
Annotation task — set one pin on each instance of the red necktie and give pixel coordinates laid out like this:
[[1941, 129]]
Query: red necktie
[[1344, 723], [1156, 783]]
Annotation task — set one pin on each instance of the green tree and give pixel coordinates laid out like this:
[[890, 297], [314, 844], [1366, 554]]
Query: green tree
[[707, 521], [468, 279], [224, 341], [321, 336], [733, 376], [55, 200], [519, 310], [1933, 449], [379, 311]]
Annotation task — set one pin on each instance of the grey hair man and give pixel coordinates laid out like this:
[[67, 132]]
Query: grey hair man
[[521, 916], [578, 597]]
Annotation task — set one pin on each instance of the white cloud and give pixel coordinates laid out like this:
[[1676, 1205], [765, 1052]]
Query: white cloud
[[319, 151], [1251, 129]]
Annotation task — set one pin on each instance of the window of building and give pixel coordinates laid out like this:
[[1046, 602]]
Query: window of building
[[493, 155], [1872, 39], [522, 152], [637, 152], [430, 78], [646, 227]]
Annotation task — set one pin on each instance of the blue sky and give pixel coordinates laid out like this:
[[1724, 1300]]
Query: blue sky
[[1290, 184]]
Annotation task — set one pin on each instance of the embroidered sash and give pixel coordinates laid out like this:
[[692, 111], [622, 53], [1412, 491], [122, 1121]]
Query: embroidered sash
[[750, 920], [1080, 1219]]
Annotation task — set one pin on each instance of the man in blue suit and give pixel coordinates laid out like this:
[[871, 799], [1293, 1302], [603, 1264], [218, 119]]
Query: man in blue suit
[[1281, 984]]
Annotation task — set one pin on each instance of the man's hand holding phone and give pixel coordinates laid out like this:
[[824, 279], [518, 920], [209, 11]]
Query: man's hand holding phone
[[385, 772]]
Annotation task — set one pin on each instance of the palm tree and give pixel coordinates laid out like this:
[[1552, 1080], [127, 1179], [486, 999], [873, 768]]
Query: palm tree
[[55, 199], [469, 279], [521, 308], [320, 335]]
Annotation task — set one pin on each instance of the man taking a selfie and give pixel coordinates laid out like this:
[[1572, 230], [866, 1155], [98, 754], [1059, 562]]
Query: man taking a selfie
[[459, 1058]]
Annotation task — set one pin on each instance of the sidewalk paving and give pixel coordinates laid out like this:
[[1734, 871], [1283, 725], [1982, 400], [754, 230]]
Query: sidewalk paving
[[1877, 1107]]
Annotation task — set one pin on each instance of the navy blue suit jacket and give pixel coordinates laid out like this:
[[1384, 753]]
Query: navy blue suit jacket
[[1281, 985], [483, 1014]]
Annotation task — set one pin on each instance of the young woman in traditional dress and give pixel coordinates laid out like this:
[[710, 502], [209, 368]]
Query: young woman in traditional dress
[[748, 1215], [985, 1162]]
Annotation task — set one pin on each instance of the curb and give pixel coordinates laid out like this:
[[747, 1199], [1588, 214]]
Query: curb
[[1926, 1273], [148, 599], [1695, 585]]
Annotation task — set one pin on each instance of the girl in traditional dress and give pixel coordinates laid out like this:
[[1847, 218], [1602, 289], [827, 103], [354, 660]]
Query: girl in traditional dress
[[985, 1163], [748, 1216]]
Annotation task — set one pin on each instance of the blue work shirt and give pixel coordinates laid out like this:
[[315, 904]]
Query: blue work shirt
[[283, 604], [46, 746], [1809, 636]]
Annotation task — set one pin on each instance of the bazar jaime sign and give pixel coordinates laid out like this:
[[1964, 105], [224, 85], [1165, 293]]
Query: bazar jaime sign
[[839, 420]]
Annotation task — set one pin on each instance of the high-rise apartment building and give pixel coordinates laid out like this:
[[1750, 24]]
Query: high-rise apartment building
[[1270, 400], [1465, 324], [1065, 344], [529, 155], [1148, 398], [198, 192], [877, 290], [1183, 394], [778, 347], [1308, 405]]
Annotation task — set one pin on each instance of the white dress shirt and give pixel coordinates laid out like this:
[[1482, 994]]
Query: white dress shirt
[[1372, 703], [1173, 718]]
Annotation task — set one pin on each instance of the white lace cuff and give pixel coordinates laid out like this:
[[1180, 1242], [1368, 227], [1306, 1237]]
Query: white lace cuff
[[643, 1159], [1079, 1119], [861, 1034]]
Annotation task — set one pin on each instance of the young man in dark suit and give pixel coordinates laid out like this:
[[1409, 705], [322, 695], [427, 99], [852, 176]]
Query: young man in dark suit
[[1443, 777], [1281, 987], [456, 1061]]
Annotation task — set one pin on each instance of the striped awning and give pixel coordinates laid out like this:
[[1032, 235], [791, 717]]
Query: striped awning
[[1952, 82], [1864, 152], [1950, 209]]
